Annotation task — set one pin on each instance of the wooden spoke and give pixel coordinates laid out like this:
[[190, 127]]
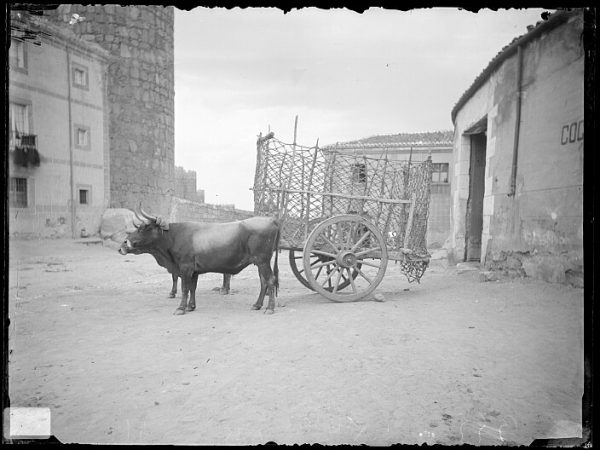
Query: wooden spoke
[[332, 245], [361, 273], [352, 282], [350, 233], [367, 263], [326, 263], [360, 241], [330, 274], [366, 252], [318, 272], [322, 253], [337, 282], [345, 279]]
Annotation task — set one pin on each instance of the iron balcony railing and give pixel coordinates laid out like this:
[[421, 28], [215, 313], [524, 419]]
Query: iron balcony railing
[[24, 149], [22, 140]]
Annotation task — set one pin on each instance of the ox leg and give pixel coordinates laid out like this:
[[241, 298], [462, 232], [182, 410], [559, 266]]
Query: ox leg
[[173, 292], [269, 286], [263, 290], [226, 284], [224, 288], [184, 296], [192, 303]]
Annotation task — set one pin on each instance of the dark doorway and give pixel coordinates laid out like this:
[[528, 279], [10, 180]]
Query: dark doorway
[[474, 222]]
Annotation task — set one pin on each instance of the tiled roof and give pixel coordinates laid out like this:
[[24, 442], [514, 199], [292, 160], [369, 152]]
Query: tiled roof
[[33, 27], [433, 138], [533, 31]]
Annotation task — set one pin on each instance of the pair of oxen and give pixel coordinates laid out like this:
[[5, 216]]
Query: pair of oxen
[[188, 249]]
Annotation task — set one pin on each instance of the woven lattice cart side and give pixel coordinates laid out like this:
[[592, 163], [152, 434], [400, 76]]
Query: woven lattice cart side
[[344, 215]]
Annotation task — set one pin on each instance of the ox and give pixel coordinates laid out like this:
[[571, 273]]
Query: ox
[[187, 249], [165, 260]]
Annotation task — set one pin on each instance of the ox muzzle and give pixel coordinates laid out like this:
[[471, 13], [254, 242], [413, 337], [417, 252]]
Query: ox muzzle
[[125, 247]]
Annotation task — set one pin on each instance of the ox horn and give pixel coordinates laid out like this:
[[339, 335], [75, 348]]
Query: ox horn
[[146, 215], [137, 216]]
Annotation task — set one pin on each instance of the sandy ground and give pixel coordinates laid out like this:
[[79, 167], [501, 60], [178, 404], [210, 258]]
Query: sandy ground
[[448, 361]]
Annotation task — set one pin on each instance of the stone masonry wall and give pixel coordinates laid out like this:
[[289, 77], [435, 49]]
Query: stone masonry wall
[[140, 96], [183, 210]]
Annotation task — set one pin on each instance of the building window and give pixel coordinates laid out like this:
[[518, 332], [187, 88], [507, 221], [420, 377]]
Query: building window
[[84, 193], [19, 121], [19, 118], [439, 173], [18, 192], [82, 137], [18, 55], [84, 196], [359, 173], [80, 76]]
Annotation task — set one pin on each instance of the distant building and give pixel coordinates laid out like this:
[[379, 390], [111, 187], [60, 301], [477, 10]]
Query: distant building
[[517, 184], [59, 177], [185, 185], [417, 147]]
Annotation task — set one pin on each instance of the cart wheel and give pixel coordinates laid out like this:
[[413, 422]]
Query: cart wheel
[[315, 259], [347, 244]]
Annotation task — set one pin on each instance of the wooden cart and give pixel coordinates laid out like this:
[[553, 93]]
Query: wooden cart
[[344, 215]]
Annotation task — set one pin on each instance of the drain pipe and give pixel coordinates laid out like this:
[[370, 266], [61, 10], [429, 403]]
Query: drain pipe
[[513, 175], [71, 176]]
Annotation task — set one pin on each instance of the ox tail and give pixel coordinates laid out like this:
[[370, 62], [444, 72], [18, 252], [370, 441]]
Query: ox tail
[[275, 265]]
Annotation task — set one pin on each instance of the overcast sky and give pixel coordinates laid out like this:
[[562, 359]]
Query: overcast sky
[[346, 75]]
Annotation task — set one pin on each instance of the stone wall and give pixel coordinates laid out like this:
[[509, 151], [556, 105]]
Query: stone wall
[[184, 210], [140, 95]]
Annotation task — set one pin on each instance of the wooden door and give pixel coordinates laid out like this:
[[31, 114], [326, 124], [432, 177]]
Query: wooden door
[[476, 192]]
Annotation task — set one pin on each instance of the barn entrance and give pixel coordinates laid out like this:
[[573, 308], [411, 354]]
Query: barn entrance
[[474, 219]]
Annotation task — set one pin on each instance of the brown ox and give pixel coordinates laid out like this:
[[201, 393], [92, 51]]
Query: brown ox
[[187, 249]]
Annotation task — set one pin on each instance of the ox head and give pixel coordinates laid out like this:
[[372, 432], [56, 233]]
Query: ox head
[[146, 235]]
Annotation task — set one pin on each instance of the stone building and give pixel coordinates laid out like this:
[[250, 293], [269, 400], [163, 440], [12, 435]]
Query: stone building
[[517, 187], [140, 91], [185, 185], [58, 130], [417, 147]]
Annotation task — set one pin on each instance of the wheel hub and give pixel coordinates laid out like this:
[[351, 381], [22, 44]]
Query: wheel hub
[[346, 259]]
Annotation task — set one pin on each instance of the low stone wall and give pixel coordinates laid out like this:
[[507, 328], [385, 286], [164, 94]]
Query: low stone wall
[[41, 222], [184, 210], [565, 268]]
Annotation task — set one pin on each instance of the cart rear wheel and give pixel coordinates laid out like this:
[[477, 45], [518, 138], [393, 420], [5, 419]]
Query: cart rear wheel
[[297, 266], [346, 244]]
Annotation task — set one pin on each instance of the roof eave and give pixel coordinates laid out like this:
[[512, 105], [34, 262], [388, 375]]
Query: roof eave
[[553, 21]]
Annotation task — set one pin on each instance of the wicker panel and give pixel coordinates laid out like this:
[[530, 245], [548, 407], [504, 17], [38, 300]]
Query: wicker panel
[[305, 185]]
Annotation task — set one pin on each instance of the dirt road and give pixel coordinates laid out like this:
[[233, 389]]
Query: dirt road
[[449, 361]]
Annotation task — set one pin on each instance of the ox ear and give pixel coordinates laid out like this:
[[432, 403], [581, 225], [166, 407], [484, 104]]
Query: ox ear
[[163, 223]]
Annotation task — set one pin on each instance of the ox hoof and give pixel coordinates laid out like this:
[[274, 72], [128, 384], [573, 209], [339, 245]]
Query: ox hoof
[[256, 307], [223, 291], [172, 294], [190, 308], [179, 312], [269, 311]]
